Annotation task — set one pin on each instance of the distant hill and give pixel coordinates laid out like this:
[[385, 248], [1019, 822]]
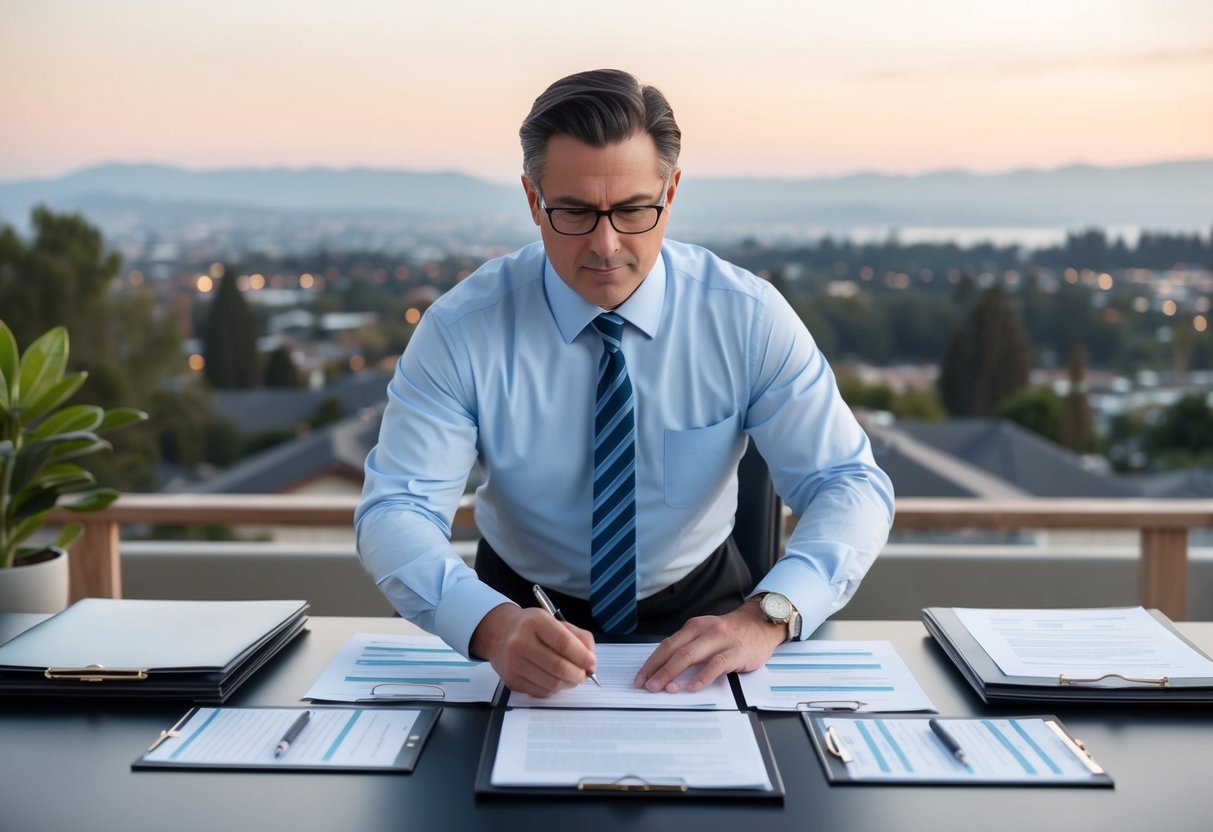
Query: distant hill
[[1160, 196]]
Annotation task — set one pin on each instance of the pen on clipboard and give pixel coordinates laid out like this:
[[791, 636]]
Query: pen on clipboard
[[292, 733], [547, 604], [949, 741]]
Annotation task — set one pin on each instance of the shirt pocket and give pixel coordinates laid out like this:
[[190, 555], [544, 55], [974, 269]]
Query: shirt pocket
[[697, 461]]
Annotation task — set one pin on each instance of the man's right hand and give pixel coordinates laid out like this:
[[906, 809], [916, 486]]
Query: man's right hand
[[532, 652]]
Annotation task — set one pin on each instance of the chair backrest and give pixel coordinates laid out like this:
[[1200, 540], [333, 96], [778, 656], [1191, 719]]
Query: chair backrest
[[759, 511]]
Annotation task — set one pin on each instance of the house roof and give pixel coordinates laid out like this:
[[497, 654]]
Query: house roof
[[338, 448], [994, 458], [262, 409]]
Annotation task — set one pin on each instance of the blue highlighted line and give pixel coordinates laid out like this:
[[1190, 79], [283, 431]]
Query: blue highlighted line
[[888, 737], [345, 730], [195, 735], [408, 663], [786, 653], [867, 737], [409, 649], [1019, 758], [1053, 767], [415, 680], [781, 666], [831, 688]]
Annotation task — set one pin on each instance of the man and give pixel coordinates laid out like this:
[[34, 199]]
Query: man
[[607, 380]]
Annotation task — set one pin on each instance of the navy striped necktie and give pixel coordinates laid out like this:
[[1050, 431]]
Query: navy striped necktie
[[613, 544]]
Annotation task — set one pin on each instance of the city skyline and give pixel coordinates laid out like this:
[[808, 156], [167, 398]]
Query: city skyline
[[775, 90]]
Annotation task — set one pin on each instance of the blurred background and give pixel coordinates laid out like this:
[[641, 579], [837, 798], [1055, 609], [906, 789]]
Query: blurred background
[[996, 220]]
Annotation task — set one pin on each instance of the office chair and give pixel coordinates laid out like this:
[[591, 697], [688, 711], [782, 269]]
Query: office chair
[[756, 528]]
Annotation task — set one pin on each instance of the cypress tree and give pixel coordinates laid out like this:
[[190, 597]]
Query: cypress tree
[[231, 338], [987, 359], [1075, 431]]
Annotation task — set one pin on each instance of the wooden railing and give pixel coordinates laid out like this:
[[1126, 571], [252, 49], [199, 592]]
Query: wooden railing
[[1163, 526]]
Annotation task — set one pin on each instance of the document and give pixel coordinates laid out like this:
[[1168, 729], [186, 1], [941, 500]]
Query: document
[[382, 668], [618, 665], [1024, 750], [712, 749], [834, 676], [286, 738], [1127, 645]]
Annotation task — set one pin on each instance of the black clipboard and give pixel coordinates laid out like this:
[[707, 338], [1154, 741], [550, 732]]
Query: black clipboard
[[992, 685], [626, 787], [834, 759], [404, 762]]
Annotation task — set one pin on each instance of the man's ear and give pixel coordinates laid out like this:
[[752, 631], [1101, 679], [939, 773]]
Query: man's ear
[[532, 198], [675, 177]]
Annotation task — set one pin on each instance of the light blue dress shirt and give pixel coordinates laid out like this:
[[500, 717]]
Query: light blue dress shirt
[[502, 369]]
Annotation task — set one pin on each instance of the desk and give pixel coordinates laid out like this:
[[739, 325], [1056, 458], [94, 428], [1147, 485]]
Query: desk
[[66, 766]]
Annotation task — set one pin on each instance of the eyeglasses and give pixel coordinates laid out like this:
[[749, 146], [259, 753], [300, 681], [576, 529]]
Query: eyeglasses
[[626, 219]]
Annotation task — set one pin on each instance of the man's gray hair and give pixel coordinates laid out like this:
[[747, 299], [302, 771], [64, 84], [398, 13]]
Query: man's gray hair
[[600, 107]]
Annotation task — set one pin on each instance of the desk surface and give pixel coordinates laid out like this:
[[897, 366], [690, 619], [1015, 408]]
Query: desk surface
[[66, 766]]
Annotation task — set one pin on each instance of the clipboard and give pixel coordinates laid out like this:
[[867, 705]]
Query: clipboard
[[259, 736], [992, 685], [627, 786], [837, 760]]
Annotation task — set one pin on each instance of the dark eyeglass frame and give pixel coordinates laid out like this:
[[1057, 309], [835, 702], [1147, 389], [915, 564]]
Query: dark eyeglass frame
[[598, 215]]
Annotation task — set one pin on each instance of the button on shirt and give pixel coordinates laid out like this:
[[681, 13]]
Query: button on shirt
[[502, 369]]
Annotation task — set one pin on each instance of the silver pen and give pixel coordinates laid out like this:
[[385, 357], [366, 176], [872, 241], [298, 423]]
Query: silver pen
[[547, 604]]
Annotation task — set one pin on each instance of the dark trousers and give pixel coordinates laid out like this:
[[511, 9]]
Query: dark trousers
[[716, 586]]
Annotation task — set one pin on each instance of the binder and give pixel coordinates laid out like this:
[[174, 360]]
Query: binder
[[992, 685], [143, 649], [627, 786], [1031, 761]]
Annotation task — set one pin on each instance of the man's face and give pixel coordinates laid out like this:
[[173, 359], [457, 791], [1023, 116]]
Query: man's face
[[604, 266]]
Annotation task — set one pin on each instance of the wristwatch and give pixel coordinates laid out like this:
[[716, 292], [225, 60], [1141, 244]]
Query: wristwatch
[[776, 607]]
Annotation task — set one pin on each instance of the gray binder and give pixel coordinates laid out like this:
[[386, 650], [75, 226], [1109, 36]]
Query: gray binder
[[101, 647]]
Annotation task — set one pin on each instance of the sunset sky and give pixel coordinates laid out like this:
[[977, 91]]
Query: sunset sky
[[773, 88]]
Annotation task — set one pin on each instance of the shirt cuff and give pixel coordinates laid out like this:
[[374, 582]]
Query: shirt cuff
[[812, 596], [461, 610]]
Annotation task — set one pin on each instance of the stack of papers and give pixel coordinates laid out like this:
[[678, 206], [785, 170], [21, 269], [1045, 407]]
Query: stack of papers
[[1083, 655], [383, 668], [106, 647], [858, 676]]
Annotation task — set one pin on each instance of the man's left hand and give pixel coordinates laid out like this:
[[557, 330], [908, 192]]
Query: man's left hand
[[741, 640]]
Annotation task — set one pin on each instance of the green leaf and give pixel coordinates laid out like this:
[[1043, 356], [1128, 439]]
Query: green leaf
[[34, 502], [43, 364], [75, 450], [28, 463], [68, 535], [54, 396], [94, 500], [27, 527], [81, 417], [8, 365], [121, 417]]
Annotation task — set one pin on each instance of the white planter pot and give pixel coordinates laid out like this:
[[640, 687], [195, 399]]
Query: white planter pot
[[38, 587]]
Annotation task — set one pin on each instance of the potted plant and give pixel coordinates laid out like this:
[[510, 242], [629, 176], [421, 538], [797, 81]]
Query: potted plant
[[42, 440]]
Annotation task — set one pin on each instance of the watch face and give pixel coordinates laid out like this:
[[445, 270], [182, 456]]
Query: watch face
[[776, 607]]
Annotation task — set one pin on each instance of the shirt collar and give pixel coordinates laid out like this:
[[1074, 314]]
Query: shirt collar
[[573, 313]]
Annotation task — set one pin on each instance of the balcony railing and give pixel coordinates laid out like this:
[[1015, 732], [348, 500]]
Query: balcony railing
[[1163, 527]]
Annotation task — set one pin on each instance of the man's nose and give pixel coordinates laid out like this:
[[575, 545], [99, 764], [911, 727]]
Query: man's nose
[[604, 239]]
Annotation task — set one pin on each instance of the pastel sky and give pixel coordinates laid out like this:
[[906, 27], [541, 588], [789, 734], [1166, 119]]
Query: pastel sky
[[767, 87]]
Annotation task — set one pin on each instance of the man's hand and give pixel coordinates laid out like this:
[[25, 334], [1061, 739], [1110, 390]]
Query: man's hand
[[533, 652], [739, 641]]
